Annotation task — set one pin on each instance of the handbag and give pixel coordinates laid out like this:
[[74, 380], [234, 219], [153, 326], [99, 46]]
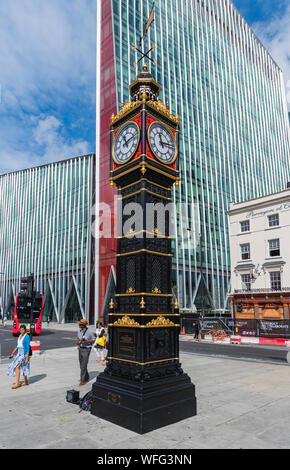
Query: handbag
[[101, 341]]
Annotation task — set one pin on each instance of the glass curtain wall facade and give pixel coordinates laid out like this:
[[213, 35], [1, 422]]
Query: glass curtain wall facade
[[45, 229], [229, 94]]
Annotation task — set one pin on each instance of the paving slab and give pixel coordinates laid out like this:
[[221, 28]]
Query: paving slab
[[239, 404]]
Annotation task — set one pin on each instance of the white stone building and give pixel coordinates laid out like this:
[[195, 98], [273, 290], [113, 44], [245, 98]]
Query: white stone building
[[260, 256]]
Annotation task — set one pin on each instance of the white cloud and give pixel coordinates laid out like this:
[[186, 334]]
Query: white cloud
[[48, 144], [275, 35], [47, 75]]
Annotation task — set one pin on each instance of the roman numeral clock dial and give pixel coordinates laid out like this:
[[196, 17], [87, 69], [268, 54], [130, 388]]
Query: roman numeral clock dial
[[126, 143], [162, 143]]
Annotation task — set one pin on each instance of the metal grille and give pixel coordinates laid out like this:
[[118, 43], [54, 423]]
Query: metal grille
[[156, 275], [130, 274]]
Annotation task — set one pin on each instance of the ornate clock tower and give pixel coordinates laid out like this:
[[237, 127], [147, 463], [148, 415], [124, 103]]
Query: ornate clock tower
[[143, 386]]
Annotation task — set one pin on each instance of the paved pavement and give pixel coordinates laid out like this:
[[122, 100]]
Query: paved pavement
[[240, 405]]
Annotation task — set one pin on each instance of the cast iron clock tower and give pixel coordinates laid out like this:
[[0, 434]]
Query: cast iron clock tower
[[143, 386]]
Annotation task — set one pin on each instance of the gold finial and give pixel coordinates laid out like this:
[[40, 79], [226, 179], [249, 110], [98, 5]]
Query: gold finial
[[176, 304], [112, 304], [145, 67], [143, 96], [142, 303], [111, 183], [143, 169]]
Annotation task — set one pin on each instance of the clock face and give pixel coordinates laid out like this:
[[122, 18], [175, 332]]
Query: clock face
[[162, 143], [126, 143]]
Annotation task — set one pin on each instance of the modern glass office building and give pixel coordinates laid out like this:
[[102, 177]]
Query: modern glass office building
[[229, 94], [45, 229]]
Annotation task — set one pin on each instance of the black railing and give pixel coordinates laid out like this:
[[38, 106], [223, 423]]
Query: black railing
[[262, 291]]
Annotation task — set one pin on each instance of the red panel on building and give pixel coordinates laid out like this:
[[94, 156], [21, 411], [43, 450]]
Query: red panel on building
[[107, 255]]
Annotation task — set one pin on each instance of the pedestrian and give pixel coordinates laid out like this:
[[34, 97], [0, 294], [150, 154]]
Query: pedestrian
[[101, 344], [196, 330], [84, 342], [4, 320], [99, 328], [48, 320], [20, 365]]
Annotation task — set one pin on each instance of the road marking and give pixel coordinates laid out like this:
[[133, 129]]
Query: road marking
[[73, 339]]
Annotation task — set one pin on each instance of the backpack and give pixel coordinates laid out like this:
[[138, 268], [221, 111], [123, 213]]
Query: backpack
[[86, 402]]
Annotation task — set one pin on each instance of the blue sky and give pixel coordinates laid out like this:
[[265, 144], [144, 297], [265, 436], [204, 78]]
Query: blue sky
[[47, 70], [260, 10]]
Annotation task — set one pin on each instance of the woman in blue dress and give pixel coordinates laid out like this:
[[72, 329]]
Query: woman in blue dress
[[20, 365]]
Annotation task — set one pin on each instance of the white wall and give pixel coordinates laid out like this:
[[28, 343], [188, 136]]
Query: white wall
[[257, 212]]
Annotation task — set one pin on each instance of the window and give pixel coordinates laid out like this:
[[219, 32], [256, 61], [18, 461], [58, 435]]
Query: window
[[246, 281], [273, 220], [275, 278], [274, 247], [245, 226], [245, 251]]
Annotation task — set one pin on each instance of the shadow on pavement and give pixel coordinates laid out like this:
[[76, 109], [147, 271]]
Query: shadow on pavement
[[94, 375], [37, 378]]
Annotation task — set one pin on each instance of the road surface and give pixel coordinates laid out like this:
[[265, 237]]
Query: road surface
[[54, 339]]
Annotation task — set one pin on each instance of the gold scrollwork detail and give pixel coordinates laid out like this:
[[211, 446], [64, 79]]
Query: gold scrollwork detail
[[127, 321], [160, 322], [162, 108], [126, 108]]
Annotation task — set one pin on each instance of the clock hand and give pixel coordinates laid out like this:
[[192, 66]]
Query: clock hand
[[130, 138], [162, 144], [166, 143]]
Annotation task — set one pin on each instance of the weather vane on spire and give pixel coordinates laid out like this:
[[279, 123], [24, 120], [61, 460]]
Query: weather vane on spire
[[144, 55]]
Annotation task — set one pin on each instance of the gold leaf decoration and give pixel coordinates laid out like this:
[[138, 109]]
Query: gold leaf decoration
[[156, 291], [126, 108], [162, 108], [160, 321], [126, 321]]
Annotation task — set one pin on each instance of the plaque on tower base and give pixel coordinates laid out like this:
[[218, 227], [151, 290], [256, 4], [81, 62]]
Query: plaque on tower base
[[143, 407]]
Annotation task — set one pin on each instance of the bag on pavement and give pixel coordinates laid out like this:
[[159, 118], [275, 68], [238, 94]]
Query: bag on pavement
[[86, 402]]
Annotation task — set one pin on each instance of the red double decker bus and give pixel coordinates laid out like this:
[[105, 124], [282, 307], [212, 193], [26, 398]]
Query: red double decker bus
[[28, 308]]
